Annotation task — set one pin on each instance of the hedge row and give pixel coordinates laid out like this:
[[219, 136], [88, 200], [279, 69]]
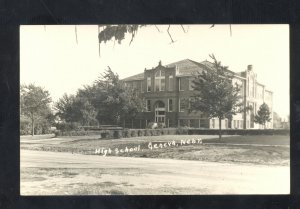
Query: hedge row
[[127, 133], [239, 132]]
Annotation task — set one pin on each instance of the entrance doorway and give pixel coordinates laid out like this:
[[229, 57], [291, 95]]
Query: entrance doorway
[[160, 112]]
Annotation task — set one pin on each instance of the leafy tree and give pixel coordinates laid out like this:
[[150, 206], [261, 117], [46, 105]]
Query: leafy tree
[[276, 120], [114, 101], [34, 103], [216, 95], [107, 101], [118, 32], [76, 109], [65, 109], [86, 113], [263, 115]]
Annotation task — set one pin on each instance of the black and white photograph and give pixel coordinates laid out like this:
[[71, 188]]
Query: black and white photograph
[[199, 109]]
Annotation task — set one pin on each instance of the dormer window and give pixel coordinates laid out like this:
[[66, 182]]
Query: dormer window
[[160, 80]]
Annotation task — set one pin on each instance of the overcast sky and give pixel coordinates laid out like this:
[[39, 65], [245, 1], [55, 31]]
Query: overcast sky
[[51, 58]]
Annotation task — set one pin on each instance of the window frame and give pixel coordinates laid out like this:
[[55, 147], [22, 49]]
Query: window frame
[[171, 83], [148, 106], [158, 77], [169, 105], [149, 85], [179, 106]]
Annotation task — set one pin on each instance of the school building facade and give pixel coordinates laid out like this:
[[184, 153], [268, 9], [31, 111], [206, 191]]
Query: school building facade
[[165, 90]]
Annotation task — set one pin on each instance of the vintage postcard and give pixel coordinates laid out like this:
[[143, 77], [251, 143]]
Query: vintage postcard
[[154, 109]]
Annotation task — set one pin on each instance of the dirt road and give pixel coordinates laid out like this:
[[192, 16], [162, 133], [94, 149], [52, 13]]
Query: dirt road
[[54, 173]]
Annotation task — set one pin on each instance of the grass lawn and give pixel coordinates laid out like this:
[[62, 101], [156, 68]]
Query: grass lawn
[[259, 140], [271, 150]]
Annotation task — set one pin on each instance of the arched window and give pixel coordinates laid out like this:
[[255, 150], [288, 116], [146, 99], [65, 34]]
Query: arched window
[[160, 80]]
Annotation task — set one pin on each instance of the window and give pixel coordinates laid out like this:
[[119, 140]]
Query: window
[[226, 123], [170, 105], [142, 86], [241, 124], [171, 83], [181, 105], [213, 123], [180, 84], [148, 105], [191, 88], [160, 81], [134, 85], [148, 84], [251, 87]]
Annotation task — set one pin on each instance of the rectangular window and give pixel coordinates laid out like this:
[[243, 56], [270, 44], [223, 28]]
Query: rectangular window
[[241, 124], [159, 81], [148, 105], [180, 84], [171, 83], [181, 105], [213, 123], [170, 105], [226, 123], [163, 84], [156, 84], [142, 86], [191, 84], [148, 84], [234, 123]]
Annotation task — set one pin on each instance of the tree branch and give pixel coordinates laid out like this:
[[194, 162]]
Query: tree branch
[[157, 28], [170, 34], [183, 28], [99, 40], [132, 35], [76, 34]]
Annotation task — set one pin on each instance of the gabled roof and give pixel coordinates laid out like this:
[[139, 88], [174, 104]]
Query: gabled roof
[[136, 77], [184, 67]]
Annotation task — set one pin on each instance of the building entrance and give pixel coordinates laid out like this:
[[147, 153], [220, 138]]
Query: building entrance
[[160, 112]]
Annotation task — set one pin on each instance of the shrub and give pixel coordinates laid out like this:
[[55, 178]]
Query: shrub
[[182, 130], [67, 126], [239, 131], [148, 132], [152, 125], [164, 132], [141, 132], [158, 132], [118, 134], [134, 133], [110, 134], [161, 125], [172, 131], [126, 133]]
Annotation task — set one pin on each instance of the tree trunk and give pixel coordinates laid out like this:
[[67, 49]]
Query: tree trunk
[[220, 134]]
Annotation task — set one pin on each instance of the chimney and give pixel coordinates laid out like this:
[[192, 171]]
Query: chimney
[[159, 63], [249, 67]]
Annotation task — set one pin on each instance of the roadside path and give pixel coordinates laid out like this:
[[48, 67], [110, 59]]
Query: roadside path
[[196, 177]]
